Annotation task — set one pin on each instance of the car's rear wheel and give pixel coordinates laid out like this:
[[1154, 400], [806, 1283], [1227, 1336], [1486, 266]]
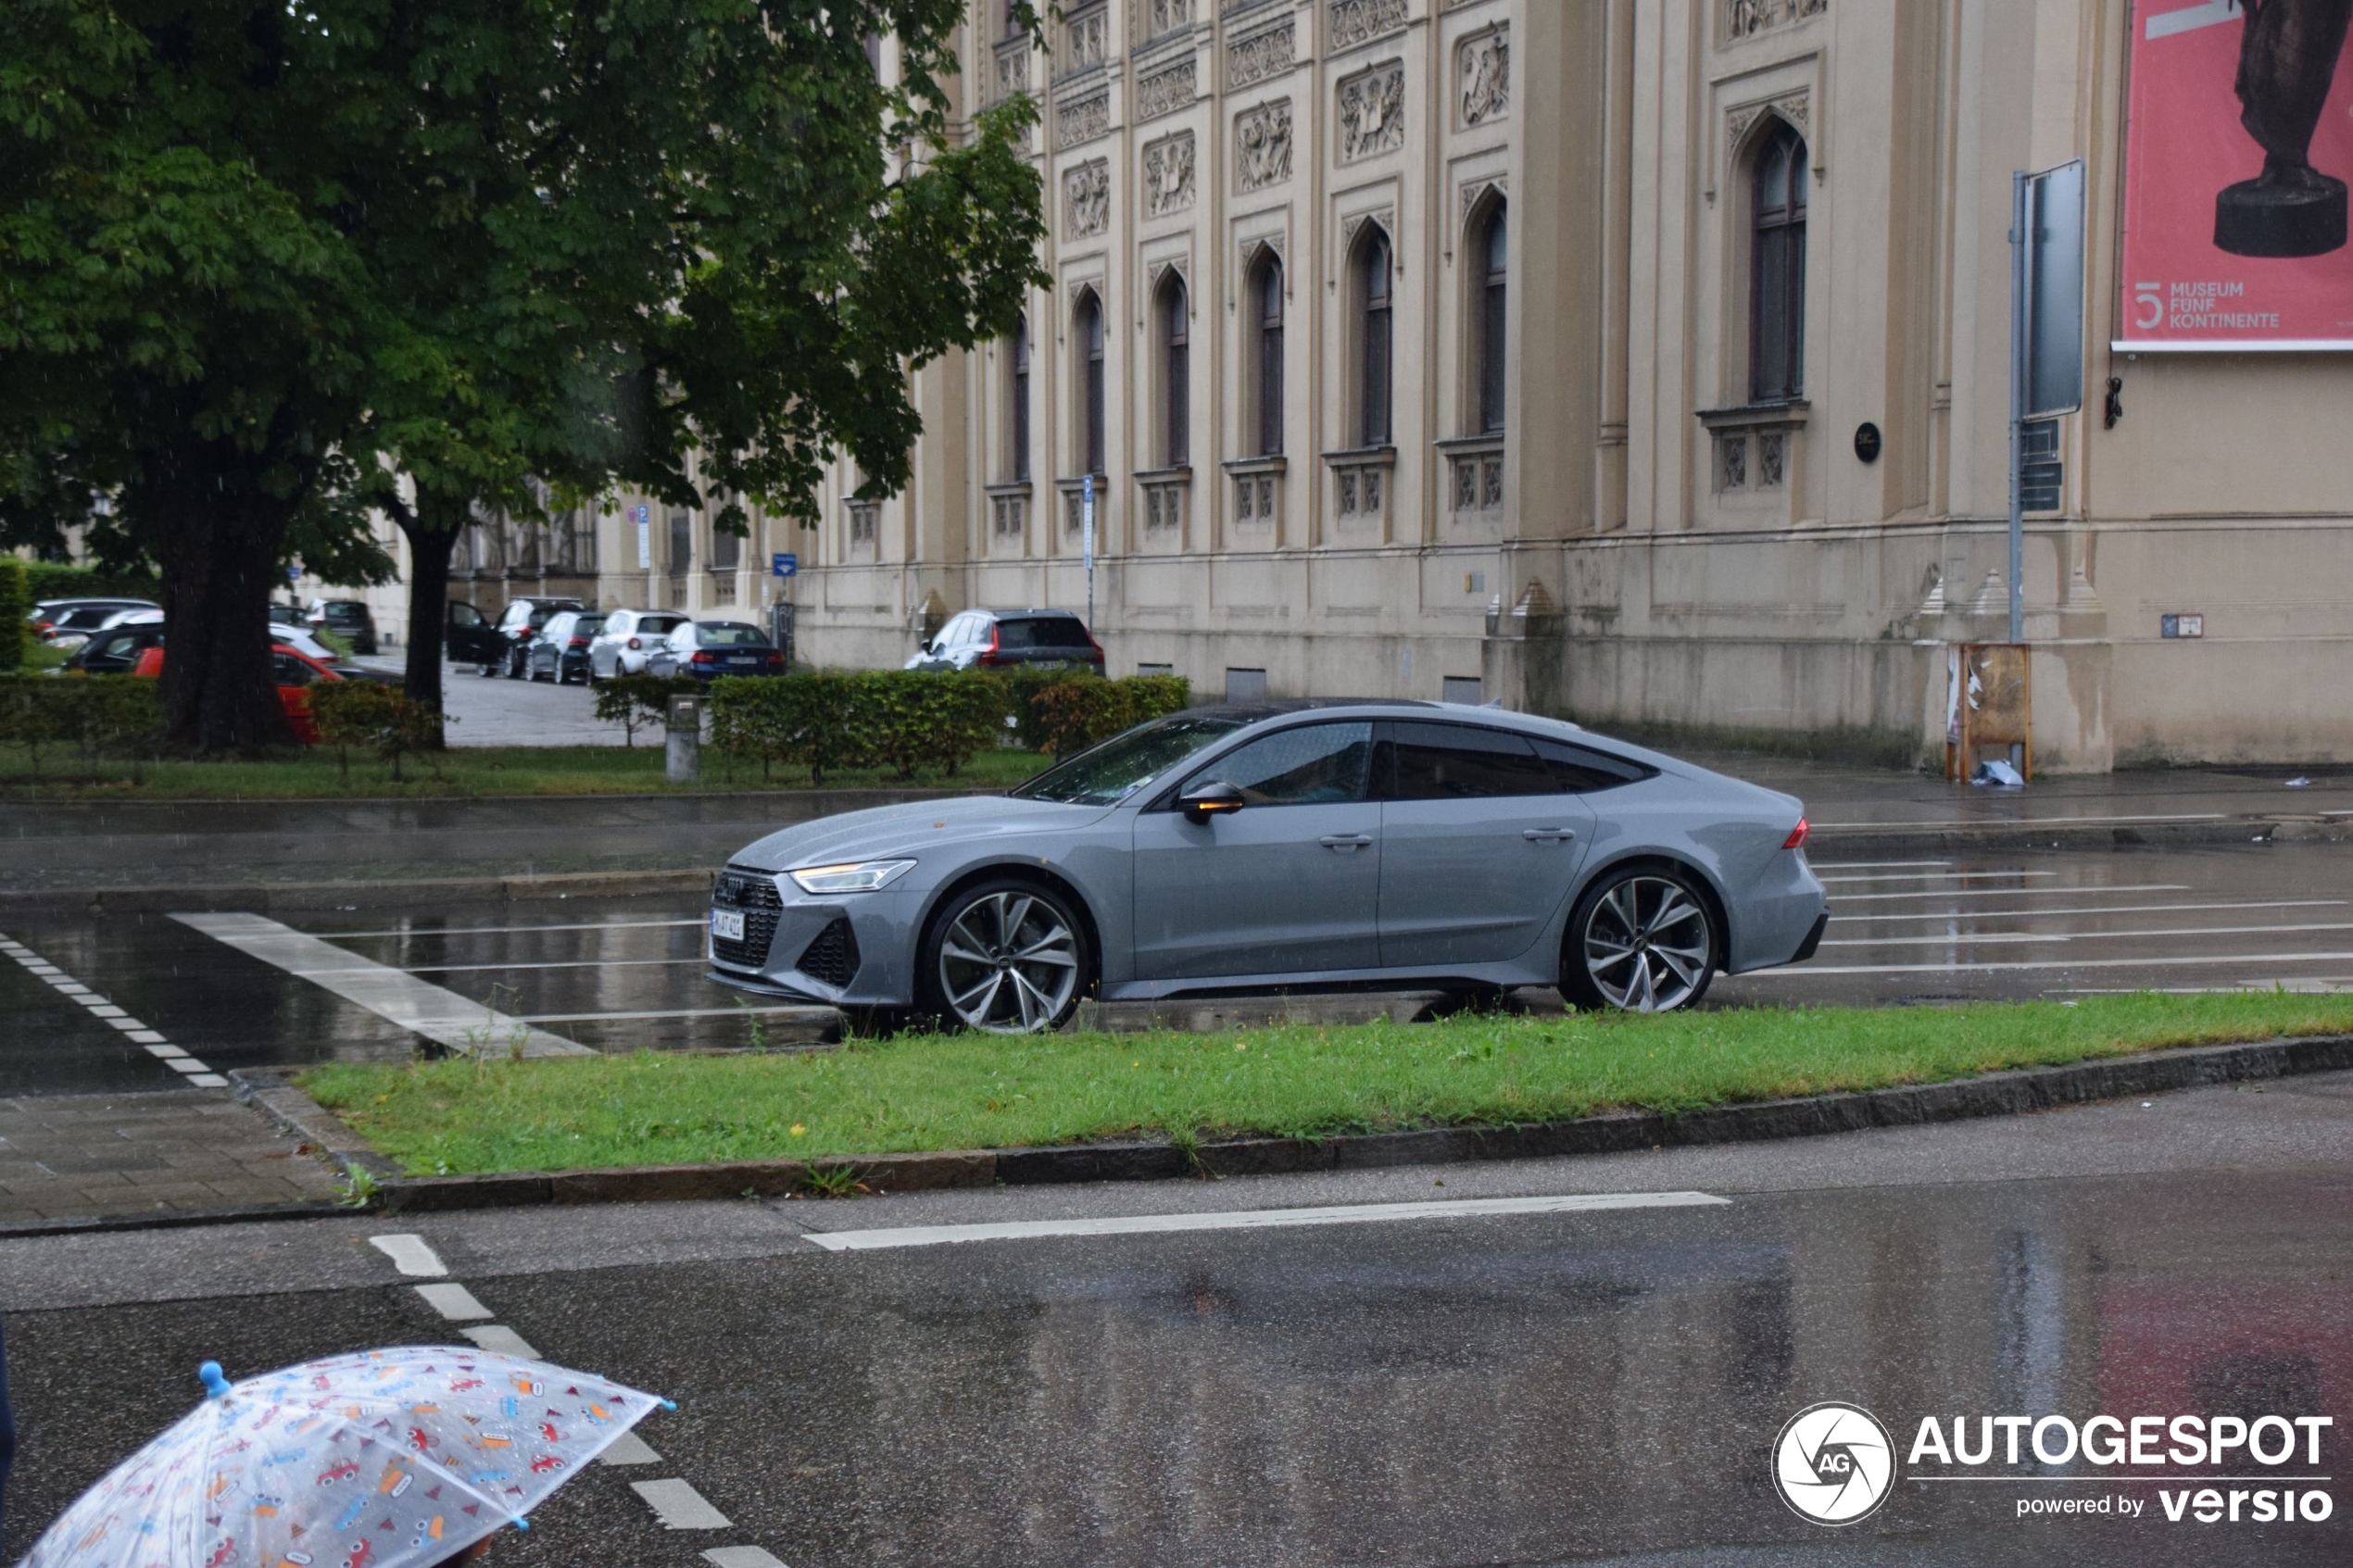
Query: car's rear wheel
[[1641, 940], [1005, 956]]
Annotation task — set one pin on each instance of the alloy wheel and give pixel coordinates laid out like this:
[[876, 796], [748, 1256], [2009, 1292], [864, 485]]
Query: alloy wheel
[[1647, 945], [1008, 963]]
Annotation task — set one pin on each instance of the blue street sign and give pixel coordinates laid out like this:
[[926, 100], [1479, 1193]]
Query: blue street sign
[[785, 565]]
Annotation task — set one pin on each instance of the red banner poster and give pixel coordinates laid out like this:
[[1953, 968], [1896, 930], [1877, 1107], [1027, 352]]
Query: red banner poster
[[2238, 147]]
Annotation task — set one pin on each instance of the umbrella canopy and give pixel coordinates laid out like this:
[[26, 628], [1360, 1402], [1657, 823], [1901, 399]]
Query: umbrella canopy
[[382, 1459]]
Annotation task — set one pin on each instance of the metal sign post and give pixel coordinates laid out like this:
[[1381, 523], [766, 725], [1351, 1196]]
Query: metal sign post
[[1087, 542], [786, 565]]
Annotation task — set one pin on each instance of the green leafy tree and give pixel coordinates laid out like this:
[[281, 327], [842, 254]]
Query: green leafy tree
[[257, 259]]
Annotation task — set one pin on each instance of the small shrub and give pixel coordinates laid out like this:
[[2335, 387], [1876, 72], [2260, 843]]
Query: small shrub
[[929, 720], [15, 603], [1023, 685], [1074, 715], [633, 701], [370, 713], [814, 720], [98, 715]]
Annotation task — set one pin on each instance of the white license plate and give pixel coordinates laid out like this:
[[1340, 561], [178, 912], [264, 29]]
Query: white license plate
[[728, 925]]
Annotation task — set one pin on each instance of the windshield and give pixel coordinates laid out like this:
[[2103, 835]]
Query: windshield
[[729, 634], [1045, 632], [1124, 764]]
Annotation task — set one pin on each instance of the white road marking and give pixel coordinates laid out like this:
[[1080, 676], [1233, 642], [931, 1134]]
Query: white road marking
[[741, 1557], [2099, 909], [1940, 940], [1932, 876], [2080, 935], [425, 1009], [99, 1006], [2164, 961], [2015, 891], [210, 1081], [166, 1052], [411, 1254], [503, 930], [672, 1012], [498, 1338], [1874, 865], [2024, 822], [186, 1064], [628, 1448], [106, 1011], [146, 1036], [1254, 1219], [678, 1505], [453, 1301], [558, 964]]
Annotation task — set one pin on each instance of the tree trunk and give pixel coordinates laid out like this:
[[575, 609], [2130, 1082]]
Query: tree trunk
[[218, 544], [430, 542]]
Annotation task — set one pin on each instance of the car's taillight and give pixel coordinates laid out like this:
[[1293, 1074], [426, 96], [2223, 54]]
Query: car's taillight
[[635, 644], [1796, 840], [704, 656], [579, 642], [776, 662], [993, 653]]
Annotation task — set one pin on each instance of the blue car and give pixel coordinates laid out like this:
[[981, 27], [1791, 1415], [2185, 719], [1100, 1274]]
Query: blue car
[[707, 649]]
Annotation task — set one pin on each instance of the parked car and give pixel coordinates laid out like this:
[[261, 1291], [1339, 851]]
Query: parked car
[[114, 650], [79, 615], [346, 619], [998, 639], [709, 649], [626, 641], [518, 624], [297, 674], [1365, 844], [560, 651], [287, 615], [466, 636]]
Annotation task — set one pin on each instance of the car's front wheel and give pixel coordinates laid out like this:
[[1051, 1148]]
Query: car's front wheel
[[1005, 956], [1641, 940]]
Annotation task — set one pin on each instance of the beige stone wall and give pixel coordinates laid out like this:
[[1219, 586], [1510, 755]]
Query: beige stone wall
[[1820, 591]]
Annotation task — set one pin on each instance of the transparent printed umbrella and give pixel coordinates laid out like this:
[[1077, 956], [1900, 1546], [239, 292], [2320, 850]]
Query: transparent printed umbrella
[[382, 1459]]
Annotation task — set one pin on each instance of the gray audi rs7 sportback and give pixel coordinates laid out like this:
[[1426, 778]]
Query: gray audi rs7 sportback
[[1307, 844]]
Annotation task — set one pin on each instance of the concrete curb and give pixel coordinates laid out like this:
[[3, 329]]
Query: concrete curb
[[1991, 1094]]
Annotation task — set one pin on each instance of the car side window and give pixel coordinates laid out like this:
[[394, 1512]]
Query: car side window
[[1311, 765], [1580, 771], [463, 614], [1459, 762], [291, 671]]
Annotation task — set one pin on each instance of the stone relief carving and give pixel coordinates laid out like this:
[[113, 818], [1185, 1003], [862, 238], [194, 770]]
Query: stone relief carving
[[1485, 72], [1170, 90], [1372, 112], [1167, 16], [1082, 120], [1746, 19], [1795, 108], [1262, 145], [1476, 189], [1260, 56], [1168, 174], [1087, 199], [1354, 21]]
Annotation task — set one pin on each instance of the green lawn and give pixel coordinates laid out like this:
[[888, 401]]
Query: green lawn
[[908, 1094], [317, 773]]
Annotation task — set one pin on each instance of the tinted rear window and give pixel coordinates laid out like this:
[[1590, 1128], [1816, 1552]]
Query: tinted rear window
[[1577, 770], [729, 634], [657, 625], [1042, 631], [352, 613], [1460, 763]]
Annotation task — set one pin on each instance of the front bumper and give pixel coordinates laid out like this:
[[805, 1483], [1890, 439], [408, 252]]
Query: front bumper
[[847, 951]]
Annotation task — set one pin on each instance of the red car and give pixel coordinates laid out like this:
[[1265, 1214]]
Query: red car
[[297, 672]]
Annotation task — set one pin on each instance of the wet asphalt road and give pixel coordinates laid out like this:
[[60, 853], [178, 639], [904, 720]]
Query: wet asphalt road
[[1522, 1388], [618, 973]]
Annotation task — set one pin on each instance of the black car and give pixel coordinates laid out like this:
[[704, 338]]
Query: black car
[[560, 653], [707, 649], [115, 650], [346, 619], [502, 648], [999, 639]]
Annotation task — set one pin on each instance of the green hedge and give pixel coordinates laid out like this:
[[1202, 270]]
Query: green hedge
[[913, 722], [97, 715], [15, 603], [376, 715], [55, 579], [636, 702]]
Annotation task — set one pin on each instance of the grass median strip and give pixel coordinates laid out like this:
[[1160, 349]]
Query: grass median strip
[[913, 1094]]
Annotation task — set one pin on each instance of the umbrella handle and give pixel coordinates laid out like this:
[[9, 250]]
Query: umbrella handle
[[215, 1386]]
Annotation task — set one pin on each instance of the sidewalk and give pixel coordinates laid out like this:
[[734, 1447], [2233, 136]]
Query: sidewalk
[[71, 1157]]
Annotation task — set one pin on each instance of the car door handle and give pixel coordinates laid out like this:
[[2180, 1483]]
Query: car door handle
[[1549, 836], [1346, 841]]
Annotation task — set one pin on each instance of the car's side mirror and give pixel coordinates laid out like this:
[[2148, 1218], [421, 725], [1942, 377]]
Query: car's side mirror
[[1210, 801]]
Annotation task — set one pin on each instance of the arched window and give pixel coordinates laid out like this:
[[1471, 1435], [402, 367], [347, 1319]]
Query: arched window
[[1020, 399], [1090, 333], [1266, 345], [1175, 374], [1777, 268], [1490, 320], [1374, 339]]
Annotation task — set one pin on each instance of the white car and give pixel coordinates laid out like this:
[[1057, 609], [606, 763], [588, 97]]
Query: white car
[[629, 639], [295, 637]]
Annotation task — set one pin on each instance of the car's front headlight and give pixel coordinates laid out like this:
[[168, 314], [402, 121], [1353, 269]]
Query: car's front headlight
[[864, 876]]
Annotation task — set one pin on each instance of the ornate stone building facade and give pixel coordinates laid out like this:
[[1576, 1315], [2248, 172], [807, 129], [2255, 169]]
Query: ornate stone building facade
[[1520, 349]]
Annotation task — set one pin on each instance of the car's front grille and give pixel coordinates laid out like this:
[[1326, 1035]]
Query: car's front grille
[[833, 957], [755, 894]]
